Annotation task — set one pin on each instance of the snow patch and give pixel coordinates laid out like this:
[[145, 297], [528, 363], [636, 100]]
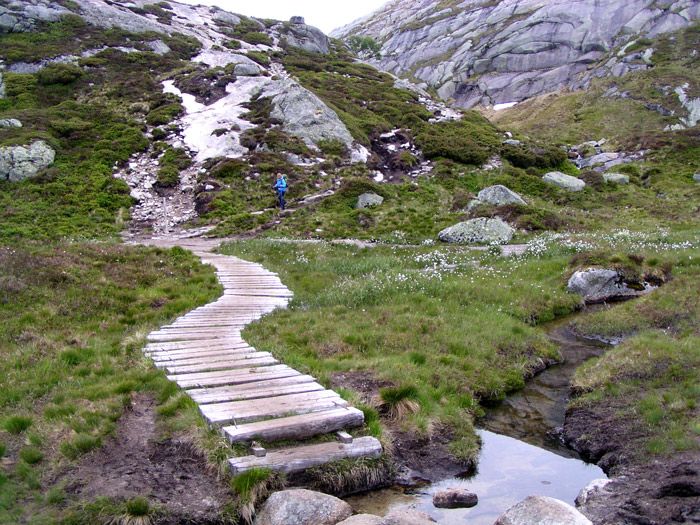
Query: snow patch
[[505, 105]]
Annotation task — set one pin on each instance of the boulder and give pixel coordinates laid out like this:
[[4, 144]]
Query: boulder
[[597, 285], [368, 200], [246, 70], [564, 181], [407, 517], [10, 123], [478, 231], [303, 114], [592, 490], [696, 177], [362, 519], [20, 162], [2, 86], [499, 195], [302, 507], [542, 510], [454, 498], [308, 38], [617, 178]]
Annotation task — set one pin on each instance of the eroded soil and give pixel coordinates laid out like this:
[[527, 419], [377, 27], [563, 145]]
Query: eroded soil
[[418, 458], [169, 472], [662, 491]]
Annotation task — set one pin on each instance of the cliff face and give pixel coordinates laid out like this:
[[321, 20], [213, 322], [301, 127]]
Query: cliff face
[[488, 52]]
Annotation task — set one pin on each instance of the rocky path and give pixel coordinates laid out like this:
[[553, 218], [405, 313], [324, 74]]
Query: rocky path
[[250, 395]]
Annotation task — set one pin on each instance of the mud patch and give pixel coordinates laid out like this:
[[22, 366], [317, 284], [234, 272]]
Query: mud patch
[[418, 459], [661, 491], [170, 473]]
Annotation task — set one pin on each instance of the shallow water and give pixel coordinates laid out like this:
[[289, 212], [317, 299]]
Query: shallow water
[[521, 451], [509, 471]]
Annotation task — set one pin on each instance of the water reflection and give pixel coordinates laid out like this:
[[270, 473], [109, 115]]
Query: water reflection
[[509, 471]]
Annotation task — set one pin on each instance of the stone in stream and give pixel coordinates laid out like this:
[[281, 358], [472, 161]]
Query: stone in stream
[[454, 498], [542, 510], [302, 507], [597, 285], [362, 519]]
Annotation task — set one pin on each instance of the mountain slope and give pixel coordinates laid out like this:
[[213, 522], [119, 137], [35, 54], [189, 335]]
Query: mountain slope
[[484, 52]]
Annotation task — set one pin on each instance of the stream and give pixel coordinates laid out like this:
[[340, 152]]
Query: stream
[[521, 454]]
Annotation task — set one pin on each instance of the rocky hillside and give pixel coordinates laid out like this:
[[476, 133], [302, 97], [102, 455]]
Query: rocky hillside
[[483, 52]]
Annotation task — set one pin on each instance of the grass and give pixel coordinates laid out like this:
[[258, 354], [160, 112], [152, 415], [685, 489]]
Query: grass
[[74, 318]]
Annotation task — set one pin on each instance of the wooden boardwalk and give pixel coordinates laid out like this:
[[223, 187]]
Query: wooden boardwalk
[[249, 394]]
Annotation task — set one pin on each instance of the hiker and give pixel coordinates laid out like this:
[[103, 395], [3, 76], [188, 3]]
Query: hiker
[[281, 187]]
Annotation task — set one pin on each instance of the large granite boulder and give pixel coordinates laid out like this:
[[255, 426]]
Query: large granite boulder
[[499, 195], [246, 70], [564, 181], [542, 510], [20, 162], [368, 200], [597, 285], [303, 114], [616, 178], [297, 34], [478, 231], [302, 507]]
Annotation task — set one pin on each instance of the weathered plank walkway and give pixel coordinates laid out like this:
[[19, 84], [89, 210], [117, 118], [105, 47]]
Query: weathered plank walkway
[[248, 393]]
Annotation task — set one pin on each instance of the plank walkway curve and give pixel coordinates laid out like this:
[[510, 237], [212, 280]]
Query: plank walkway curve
[[248, 394]]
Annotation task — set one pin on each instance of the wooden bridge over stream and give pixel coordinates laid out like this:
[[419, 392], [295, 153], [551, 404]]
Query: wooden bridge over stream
[[248, 394]]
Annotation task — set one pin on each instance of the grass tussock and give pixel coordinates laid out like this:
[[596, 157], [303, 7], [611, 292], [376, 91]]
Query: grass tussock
[[253, 487], [351, 475]]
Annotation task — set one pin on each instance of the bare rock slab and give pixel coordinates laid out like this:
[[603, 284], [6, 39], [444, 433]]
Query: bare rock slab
[[302, 507], [454, 498], [362, 519], [542, 510]]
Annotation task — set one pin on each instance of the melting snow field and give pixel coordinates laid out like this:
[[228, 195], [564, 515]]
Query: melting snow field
[[200, 121]]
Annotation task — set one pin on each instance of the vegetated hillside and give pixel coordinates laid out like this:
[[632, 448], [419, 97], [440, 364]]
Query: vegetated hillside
[[164, 116]]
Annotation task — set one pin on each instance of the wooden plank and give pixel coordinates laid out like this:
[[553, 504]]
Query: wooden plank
[[257, 409], [295, 427], [180, 336], [257, 390], [298, 459], [221, 365], [246, 390], [233, 377], [191, 358]]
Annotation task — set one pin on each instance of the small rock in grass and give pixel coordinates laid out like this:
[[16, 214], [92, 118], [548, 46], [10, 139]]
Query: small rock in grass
[[454, 498]]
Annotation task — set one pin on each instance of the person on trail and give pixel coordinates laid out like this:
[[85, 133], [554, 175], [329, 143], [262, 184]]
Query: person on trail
[[281, 187]]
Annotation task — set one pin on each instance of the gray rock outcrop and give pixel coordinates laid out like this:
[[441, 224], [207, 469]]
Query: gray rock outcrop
[[368, 200], [597, 285], [10, 123], [542, 510], [302, 507], [617, 178], [19, 162], [297, 34], [499, 52], [454, 498], [2, 86], [478, 231], [499, 195], [564, 181], [304, 115]]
